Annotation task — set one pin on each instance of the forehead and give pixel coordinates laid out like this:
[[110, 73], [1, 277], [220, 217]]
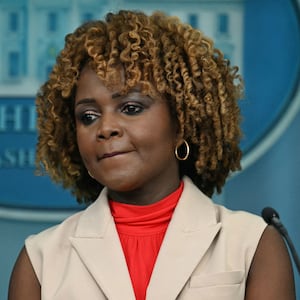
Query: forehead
[[89, 82], [114, 80], [110, 77]]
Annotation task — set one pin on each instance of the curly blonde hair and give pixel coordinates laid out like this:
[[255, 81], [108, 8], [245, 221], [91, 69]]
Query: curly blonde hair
[[198, 83]]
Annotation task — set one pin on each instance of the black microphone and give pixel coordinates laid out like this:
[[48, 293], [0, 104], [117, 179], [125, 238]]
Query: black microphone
[[271, 217]]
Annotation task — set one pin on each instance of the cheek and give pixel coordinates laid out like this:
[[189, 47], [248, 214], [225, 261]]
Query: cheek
[[160, 136], [83, 142], [168, 131]]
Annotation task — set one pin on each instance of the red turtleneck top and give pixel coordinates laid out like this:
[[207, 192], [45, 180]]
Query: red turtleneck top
[[141, 230]]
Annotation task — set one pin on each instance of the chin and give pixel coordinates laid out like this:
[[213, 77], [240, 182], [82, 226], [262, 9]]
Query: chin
[[120, 185]]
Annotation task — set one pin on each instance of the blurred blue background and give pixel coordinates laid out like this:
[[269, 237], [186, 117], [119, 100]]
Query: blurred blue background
[[261, 36]]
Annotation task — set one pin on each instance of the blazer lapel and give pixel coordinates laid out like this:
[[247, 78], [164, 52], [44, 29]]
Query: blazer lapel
[[189, 235], [97, 244]]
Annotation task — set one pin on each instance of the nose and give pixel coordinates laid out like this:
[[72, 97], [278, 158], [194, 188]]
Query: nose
[[109, 127]]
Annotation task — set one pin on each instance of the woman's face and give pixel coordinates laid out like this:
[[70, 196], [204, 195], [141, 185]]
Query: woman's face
[[126, 142]]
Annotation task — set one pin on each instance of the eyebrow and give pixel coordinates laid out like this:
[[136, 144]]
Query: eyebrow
[[116, 95], [85, 101], [113, 96], [135, 89]]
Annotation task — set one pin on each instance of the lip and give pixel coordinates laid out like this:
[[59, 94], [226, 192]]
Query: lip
[[111, 154]]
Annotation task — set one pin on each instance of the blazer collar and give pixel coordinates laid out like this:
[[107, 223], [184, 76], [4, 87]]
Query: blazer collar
[[97, 243], [189, 235]]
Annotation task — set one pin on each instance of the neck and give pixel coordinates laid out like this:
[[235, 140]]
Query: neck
[[147, 194]]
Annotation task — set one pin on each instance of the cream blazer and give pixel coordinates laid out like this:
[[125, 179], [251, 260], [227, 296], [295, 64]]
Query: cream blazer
[[206, 254]]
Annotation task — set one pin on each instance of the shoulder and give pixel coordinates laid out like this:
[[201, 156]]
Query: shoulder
[[270, 273], [48, 243], [234, 223], [239, 221], [51, 248], [240, 232], [56, 232], [58, 235]]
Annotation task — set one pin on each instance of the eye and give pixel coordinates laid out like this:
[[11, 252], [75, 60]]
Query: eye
[[132, 109], [87, 118]]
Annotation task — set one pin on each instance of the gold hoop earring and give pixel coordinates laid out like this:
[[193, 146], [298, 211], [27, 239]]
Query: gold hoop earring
[[185, 143], [91, 175]]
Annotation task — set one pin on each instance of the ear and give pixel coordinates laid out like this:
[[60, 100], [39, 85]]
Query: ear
[[177, 133]]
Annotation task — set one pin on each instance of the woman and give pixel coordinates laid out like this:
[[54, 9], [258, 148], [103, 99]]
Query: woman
[[139, 119]]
